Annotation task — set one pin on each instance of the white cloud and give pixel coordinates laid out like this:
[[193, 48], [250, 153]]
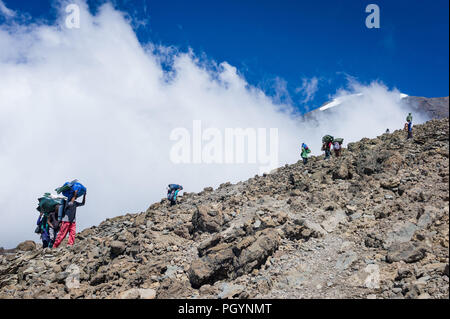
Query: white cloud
[[93, 104], [308, 88], [5, 11]]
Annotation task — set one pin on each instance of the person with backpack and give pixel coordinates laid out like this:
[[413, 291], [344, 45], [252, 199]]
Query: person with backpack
[[43, 229], [54, 224], [305, 152], [409, 129], [337, 149], [68, 221], [409, 118], [327, 141], [172, 192], [337, 146], [326, 146]]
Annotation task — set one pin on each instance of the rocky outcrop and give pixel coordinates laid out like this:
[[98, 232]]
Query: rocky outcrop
[[27, 245], [435, 108], [232, 256], [207, 219], [373, 223]]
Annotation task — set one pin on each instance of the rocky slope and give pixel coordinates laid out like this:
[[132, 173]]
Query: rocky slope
[[435, 108], [373, 223]]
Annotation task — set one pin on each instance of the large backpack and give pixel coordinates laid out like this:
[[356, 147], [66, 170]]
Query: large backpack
[[327, 139], [47, 203], [69, 188], [339, 140], [175, 186], [173, 191]]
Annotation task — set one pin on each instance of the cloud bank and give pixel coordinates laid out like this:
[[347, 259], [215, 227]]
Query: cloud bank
[[94, 104]]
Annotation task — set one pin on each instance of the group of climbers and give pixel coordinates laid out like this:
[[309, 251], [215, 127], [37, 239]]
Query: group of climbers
[[329, 142], [57, 214]]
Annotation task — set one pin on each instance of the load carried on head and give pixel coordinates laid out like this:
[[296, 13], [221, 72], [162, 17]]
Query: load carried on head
[[48, 203], [326, 144], [57, 214], [337, 146], [327, 139], [69, 189]]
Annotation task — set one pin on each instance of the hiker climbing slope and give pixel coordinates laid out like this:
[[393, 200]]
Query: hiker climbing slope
[[327, 140], [172, 192], [68, 221], [53, 224], [409, 118], [43, 229], [337, 146], [304, 153], [408, 126], [48, 208], [409, 130]]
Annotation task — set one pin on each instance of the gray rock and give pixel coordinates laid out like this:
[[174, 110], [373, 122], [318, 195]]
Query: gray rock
[[314, 227], [117, 248], [355, 216], [230, 290], [72, 281], [346, 260], [207, 219], [171, 271], [27, 245], [407, 252], [401, 233], [257, 224], [331, 223]]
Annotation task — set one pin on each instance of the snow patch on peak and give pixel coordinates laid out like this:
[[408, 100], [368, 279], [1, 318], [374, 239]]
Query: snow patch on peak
[[339, 100]]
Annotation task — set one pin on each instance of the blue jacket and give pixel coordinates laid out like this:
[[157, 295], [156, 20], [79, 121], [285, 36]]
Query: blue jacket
[[42, 222]]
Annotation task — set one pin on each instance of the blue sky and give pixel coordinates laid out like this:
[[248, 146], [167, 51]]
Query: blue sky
[[288, 43]]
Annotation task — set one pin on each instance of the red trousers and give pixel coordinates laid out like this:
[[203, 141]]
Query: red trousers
[[66, 227]]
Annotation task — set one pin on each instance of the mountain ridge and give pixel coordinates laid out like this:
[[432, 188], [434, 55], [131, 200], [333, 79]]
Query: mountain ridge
[[433, 108]]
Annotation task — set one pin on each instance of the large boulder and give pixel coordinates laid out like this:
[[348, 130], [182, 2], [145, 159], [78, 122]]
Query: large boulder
[[117, 248], [407, 252], [402, 232], [207, 219], [27, 245], [231, 260], [342, 171]]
